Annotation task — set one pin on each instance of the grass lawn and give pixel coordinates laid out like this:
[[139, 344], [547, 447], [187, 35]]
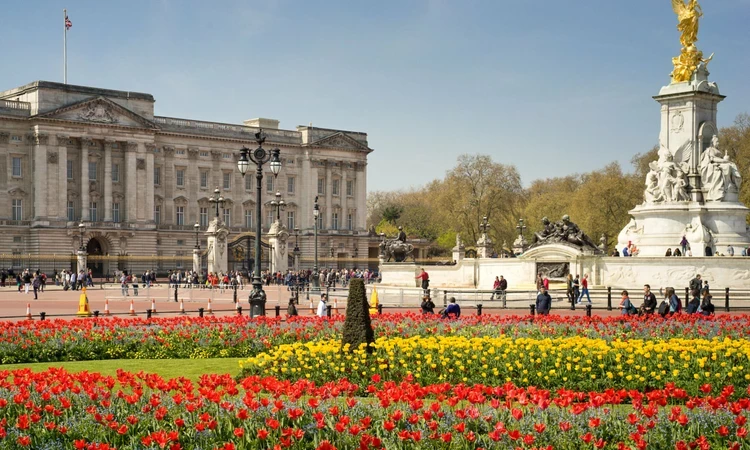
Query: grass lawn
[[167, 368]]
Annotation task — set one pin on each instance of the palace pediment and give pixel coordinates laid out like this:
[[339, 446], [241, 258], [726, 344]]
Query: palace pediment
[[341, 141], [99, 111]]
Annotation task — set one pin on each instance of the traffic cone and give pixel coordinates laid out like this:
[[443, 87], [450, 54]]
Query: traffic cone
[[182, 306], [106, 306], [335, 305], [153, 307], [132, 308], [28, 311], [208, 307]]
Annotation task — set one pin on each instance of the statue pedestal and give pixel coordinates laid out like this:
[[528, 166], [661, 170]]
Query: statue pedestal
[[459, 252], [82, 262], [713, 225], [217, 247], [277, 236]]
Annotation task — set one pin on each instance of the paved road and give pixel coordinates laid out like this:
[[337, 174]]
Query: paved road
[[55, 303]]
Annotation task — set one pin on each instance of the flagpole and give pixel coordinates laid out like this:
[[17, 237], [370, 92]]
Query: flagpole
[[65, 47]]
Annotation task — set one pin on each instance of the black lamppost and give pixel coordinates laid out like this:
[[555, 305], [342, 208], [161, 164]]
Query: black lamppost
[[315, 276], [259, 156], [218, 200], [484, 227], [197, 229], [296, 250], [279, 205]]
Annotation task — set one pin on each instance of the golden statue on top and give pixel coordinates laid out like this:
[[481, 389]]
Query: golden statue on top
[[688, 15]]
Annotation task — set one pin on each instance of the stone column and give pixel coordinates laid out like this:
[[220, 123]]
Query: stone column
[[150, 182], [342, 192], [131, 183], [84, 145], [217, 246], [82, 260], [329, 199], [40, 177], [361, 195], [62, 177], [197, 260], [108, 180]]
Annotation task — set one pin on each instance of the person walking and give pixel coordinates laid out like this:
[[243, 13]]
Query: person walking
[[684, 244], [539, 282], [675, 306], [37, 284], [584, 289], [543, 302], [425, 281], [322, 305], [26, 281], [503, 287], [576, 287], [569, 288], [707, 308], [124, 285], [695, 283], [291, 310]]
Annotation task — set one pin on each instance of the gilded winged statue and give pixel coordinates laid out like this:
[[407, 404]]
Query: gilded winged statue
[[688, 15]]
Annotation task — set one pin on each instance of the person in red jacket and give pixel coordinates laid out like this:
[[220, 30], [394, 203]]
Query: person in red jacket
[[425, 280]]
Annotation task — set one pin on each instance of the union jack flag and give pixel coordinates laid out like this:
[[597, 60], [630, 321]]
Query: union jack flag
[[68, 23]]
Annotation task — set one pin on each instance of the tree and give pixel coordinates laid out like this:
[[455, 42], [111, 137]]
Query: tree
[[736, 141], [478, 187], [357, 326]]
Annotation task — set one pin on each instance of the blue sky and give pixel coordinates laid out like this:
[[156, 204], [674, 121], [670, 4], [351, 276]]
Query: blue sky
[[553, 87]]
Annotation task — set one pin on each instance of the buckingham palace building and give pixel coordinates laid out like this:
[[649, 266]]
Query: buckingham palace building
[[139, 183]]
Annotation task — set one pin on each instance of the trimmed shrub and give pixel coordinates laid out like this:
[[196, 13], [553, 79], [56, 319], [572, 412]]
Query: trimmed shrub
[[357, 325]]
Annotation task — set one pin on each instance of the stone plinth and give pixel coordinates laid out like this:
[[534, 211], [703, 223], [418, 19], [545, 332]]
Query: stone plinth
[[217, 246], [277, 237], [82, 260], [713, 226]]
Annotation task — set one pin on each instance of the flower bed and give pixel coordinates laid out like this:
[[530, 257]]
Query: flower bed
[[56, 409], [586, 363], [183, 337]]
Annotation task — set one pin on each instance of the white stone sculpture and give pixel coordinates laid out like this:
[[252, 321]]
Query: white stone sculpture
[[719, 175], [665, 182], [699, 237]]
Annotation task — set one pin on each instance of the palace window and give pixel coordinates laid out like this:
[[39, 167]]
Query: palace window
[[92, 211], [116, 212], [269, 217], [320, 221], [16, 166], [227, 181], [248, 183], [71, 211], [157, 214], [248, 218], [349, 188], [336, 187], [321, 186], [290, 222], [17, 209], [157, 176], [269, 182], [70, 169], [203, 217], [115, 173], [180, 215], [180, 175], [335, 220], [350, 222], [92, 170], [204, 178], [228, 217], [290, 182]]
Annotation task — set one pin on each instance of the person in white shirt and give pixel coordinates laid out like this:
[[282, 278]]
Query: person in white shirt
[[322, 312]]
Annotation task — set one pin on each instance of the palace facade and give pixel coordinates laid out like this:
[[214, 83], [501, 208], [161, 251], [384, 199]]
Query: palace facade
[[139, 182]]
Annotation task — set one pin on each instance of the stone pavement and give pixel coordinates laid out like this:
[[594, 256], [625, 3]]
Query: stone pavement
[[57, 303]]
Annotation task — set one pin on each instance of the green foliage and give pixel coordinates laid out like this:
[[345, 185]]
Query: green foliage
[[392, 213], [389, 229], [357, 326]]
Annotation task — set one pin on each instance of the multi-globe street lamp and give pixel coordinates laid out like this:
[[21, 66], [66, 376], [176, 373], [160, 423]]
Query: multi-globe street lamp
[[197, 229], [217, 199], [259, 156], [279, 205]]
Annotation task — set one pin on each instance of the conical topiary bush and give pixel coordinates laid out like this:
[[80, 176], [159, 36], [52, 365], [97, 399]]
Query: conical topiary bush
[[357, 326]]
